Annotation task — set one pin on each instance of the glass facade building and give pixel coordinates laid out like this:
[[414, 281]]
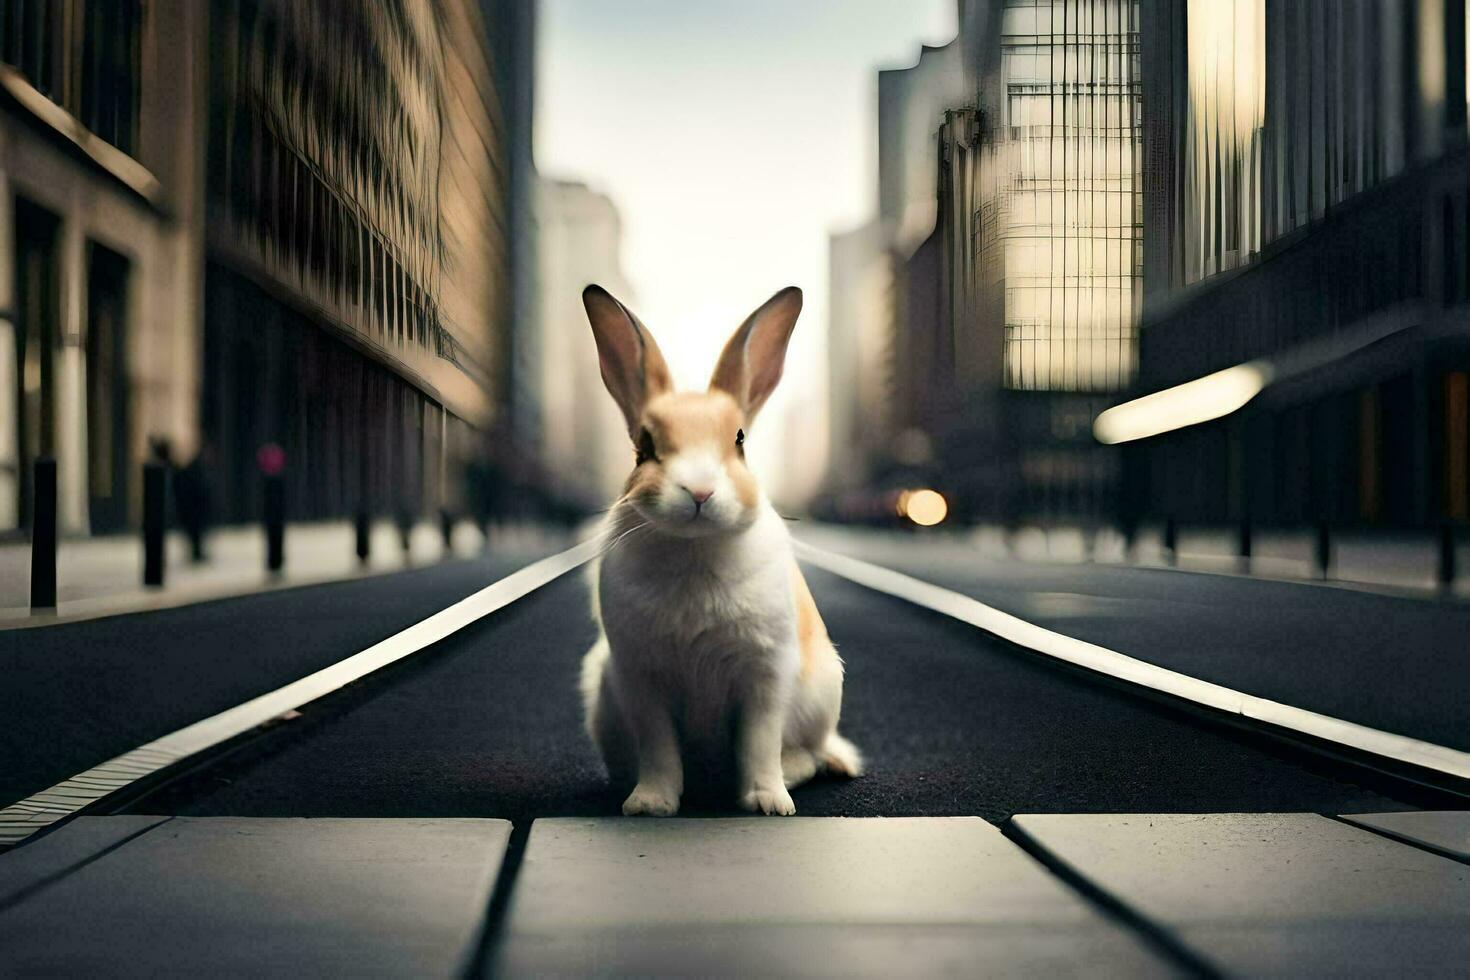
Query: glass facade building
[[1306, 179], [1011, 209], [237, 223], [1060, 199], [1131, 194]]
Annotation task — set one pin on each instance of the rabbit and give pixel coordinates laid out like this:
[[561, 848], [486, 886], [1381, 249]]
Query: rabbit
[[711, 646]]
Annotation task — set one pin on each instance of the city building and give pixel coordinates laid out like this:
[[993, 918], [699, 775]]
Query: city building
[[512, 29], [586, 452], [1041, 192], [859, 355], [1010, 198], [911, 102], [1307, 266], [885, 388], [101, 255], [237, 224]]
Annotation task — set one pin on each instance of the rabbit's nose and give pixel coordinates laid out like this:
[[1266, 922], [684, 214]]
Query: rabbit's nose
[[700, 494]]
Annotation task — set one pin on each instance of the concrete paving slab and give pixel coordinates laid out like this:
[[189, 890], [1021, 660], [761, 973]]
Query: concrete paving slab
[[799, 897], [1275, 894], [282, 897], [23, 868], [1446, 831]]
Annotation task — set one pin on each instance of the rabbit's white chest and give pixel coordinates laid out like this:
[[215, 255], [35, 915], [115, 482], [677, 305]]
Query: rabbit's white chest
[[703, 622]]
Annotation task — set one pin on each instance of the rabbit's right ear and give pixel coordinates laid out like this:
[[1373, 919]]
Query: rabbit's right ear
[[633, 368]]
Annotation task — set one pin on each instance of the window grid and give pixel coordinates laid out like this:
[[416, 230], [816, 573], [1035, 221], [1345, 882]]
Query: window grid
[[1069, 209]]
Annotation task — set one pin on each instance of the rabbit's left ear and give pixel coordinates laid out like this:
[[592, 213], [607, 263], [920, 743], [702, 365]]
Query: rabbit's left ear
[[753, 358], [633, 368]]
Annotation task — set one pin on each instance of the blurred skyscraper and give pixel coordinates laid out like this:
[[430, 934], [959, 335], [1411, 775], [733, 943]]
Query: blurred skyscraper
[[241, 223], [101, 247], [512, 30], [1009, 198], [859, 353], [1307, 235], [1125, 196], [585, 447]]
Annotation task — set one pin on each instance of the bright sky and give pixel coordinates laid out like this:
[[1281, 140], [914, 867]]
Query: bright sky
[[733, 137]]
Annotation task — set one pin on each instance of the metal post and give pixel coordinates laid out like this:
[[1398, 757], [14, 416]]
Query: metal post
[[364, 536], [275, 524], [1244, 548], [155, 517], [1447, 555], [446, 527], [43, 534], [405, 532], [1323, 550], [1171, 541]]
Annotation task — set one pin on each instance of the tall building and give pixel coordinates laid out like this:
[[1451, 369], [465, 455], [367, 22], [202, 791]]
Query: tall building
[[884, 327], [1042, 193], [859, 355], [585, 449], [1060, 204], [512, 30], [1307, 264], [911, 101], [102, 118], [249, 222], [1011, 202]]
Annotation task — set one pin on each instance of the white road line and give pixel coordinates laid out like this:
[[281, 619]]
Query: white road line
[[24, 818], [1090, 656]]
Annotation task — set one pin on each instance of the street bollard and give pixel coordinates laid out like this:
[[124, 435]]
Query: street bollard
[[155, 516], [1447, 569], [1322, 553], [275, 524], [446, 528], [1244, 544], [405, 533], [1171, 541], [363, 528], [43, 534]]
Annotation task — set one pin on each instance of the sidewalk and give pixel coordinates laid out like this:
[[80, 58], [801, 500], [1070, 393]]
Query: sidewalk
[[103, 576], [1161, 894], [1400, 565]]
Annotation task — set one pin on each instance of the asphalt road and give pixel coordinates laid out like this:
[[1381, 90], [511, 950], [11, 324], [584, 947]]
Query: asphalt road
[[1392, 663], [76, 695], [487, 724]]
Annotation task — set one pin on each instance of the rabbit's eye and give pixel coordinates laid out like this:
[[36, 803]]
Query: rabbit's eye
[[645, 448], [740, 441]]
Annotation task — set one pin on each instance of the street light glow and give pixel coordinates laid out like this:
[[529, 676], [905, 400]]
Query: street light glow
[[1201, 400], [925, 507]]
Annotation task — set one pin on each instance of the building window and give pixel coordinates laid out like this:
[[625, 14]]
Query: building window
[[32, 41], [1227, 60], [82, 56], [109, 75], [1069, 202], [313, 190]]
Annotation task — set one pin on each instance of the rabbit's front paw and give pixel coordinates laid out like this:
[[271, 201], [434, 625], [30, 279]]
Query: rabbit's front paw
[[769, 801], [648, 801]]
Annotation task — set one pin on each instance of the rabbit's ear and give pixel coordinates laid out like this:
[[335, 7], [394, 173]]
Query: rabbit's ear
[[752, 360], [633, 368]]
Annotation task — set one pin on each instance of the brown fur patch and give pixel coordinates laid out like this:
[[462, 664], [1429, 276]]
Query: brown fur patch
[[686, 421], [811, 632]]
